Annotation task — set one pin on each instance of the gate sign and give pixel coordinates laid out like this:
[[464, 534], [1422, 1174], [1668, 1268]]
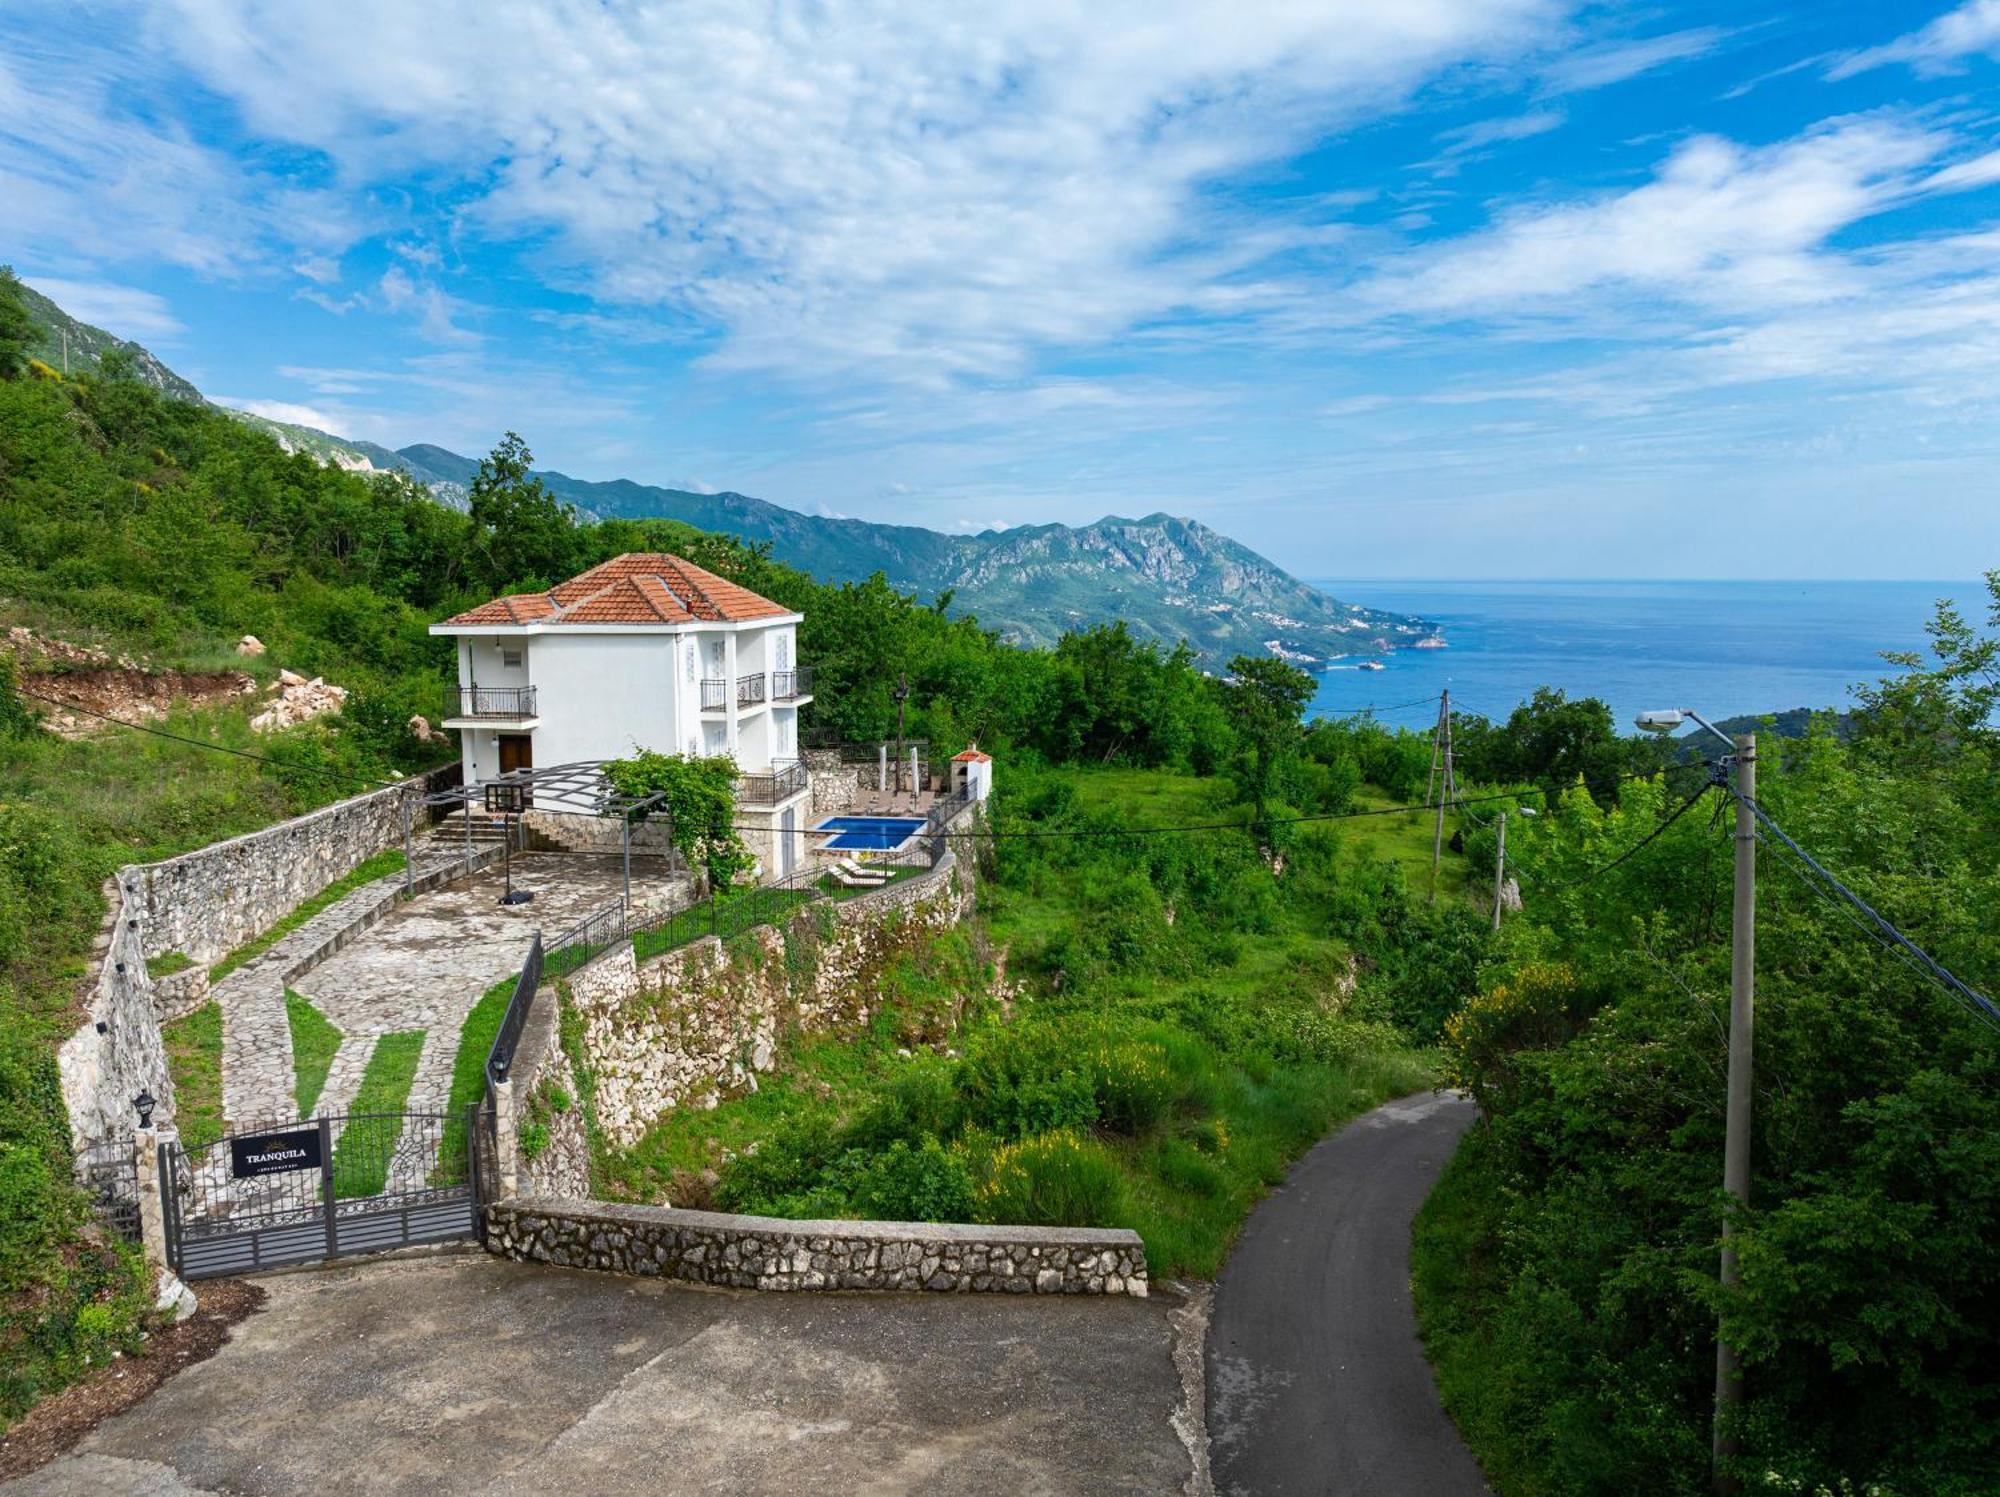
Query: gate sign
[[274, 1153], [507, 798]]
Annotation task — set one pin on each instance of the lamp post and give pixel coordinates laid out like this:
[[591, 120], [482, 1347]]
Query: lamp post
[[1742, 1022]]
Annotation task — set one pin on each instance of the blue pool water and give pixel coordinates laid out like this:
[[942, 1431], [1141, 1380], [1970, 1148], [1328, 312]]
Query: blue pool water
[[869, 833]]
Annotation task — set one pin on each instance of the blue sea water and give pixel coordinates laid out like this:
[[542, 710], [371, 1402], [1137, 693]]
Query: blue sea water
[[1721, 648]]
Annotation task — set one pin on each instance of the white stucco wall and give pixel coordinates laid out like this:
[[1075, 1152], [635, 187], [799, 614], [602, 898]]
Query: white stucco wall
[[602, 696]]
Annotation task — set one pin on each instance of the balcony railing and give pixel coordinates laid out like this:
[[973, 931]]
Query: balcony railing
[[496, 701], [789, 686], [784, 781], [714, 695], [750, 690]]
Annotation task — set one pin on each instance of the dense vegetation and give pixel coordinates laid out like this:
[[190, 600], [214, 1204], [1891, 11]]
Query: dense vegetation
[[165, 530], [1175, 1021], [1566, 1268]]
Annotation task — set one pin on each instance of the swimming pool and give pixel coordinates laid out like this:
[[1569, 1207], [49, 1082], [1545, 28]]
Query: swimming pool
[[869, 833]]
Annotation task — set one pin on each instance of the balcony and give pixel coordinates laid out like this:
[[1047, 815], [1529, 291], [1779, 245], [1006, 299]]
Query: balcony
[[493, 703], [792, 686], [714, 695], [750, 690], [785, 780]]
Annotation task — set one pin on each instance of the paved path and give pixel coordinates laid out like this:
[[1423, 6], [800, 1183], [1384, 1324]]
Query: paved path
[[1316, 1380], [422, 966], [466, 1374]]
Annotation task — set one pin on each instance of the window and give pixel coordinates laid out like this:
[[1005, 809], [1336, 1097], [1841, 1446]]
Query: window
[[784, 652], [510, 657]]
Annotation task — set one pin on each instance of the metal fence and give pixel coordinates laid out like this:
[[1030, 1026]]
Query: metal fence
[[750, 690], [109, 1174], [789, 686], [783, 782], [582, 941], [495, 701]]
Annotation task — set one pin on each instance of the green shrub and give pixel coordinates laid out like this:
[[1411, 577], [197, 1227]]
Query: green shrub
[[925, 1184], [1019, 1082], [1056, 1179]]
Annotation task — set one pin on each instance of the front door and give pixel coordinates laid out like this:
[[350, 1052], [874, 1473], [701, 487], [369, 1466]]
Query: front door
[[517, 751]]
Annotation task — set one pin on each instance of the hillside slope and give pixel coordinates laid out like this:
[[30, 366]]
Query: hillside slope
[[1169, 579]]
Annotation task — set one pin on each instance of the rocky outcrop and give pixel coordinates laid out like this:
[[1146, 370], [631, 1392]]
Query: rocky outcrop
[[296, 700]]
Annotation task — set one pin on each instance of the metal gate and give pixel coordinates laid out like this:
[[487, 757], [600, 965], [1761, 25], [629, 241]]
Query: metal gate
[[326, 1188]]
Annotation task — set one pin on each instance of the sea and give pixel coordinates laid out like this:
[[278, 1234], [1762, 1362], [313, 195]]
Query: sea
[[1723, 649]]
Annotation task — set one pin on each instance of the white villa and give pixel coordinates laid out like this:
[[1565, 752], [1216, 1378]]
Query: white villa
[[645, 651]]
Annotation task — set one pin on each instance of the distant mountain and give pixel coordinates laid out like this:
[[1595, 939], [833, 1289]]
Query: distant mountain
[[1170, 579], [76, 347]]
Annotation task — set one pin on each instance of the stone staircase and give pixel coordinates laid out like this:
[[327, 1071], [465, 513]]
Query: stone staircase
[[451, 832]]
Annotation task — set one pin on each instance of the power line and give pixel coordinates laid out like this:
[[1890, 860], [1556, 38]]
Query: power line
[[1938, 972], [280, 765]]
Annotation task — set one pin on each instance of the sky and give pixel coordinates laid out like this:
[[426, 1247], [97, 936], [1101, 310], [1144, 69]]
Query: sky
[[1382, 288]]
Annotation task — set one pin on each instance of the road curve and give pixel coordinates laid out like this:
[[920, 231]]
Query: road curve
[[1316, 1380]]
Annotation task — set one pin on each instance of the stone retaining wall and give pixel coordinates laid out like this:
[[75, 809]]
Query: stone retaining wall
[[578, 833], [836, 785], [695, 1025], [208, 902], [764, 1252], [117, 1052], [546, 1097]]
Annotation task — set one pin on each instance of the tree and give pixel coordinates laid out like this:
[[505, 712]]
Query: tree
[[17, 328], [1266, 697], [700, 803], [521, 532]]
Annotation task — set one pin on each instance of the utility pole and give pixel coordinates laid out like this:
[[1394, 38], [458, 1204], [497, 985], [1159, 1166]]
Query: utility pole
[[1499, 870], [1445, 786], [1736, 1135]]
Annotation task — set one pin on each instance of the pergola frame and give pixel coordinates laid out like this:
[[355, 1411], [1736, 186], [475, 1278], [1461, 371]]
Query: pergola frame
[[580, 788]]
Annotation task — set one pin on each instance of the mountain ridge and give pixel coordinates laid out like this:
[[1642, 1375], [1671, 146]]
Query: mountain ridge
[[1169, 578]]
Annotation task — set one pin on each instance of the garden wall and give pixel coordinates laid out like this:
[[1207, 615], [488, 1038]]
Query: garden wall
[[204, 904], [763, 1252], [208, 902], [578, 833], [694, 1025], [835, 784]]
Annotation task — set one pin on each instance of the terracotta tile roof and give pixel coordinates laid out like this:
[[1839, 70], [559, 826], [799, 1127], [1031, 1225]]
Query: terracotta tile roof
[[640, 587], [515, 608], [972, 756]]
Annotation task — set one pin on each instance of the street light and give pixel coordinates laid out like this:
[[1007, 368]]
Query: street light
[[1742, 1019]]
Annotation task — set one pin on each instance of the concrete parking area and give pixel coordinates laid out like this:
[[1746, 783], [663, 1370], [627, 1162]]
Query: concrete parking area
[[463, 1374]]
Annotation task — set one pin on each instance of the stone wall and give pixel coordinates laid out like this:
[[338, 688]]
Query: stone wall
[[117, 1052], [546, 1096], [762, 1252], [203, 904], [208, 902], [835, 785], [696, 1024], [578, 833]]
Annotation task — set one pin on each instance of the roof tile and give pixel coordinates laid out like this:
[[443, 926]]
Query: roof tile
[[640, 587]]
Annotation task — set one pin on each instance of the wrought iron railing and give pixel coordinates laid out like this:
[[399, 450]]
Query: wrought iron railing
[[782, 783], [582, 941], [714, 695], [496, 701], [750, 690], [500, 1058], [789, 686]]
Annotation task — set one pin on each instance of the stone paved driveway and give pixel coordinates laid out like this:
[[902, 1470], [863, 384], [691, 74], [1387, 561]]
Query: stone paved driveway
[[427, 963], [466, 1374]]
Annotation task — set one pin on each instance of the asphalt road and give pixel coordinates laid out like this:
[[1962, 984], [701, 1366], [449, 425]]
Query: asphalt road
[[1316, 1380]]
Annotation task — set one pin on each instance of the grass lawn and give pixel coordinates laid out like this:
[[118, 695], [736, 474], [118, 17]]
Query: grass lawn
[[380, 866], [167, 963], [361, 1158], [468, 1070], [314, 1041], [194, 1060]]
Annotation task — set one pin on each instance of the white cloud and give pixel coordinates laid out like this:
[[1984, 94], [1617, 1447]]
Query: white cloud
[[1483, 133], [886, 188], [1614, 62], [289, 412], [125, 310], [1721, 225], [1941, 47]]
